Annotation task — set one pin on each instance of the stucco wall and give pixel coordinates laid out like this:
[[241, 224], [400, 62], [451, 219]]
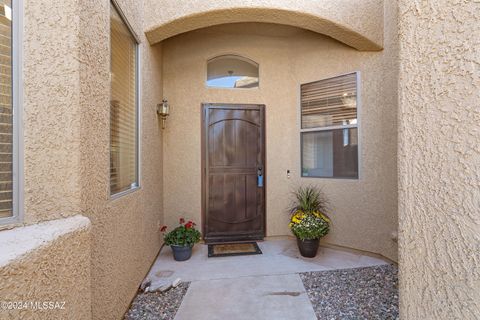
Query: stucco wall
[[365, 210], [439, 159], [47, 262], [66, 123], [51, 120], [125, 235], [358, 23]]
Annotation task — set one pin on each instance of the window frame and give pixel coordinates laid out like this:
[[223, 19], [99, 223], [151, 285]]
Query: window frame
[[138, 108], [17, 110], [335, 127]]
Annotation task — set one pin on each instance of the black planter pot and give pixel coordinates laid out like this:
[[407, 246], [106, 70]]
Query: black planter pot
[[181, 253], [308, 247]]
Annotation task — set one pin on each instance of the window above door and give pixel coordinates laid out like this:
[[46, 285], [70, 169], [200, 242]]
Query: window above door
[[232, 71]]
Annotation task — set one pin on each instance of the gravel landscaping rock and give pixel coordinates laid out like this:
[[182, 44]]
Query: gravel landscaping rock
[[157, 305], [361, 293]]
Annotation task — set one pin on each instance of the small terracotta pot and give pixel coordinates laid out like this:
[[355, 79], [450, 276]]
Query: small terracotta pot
[[308, 247]]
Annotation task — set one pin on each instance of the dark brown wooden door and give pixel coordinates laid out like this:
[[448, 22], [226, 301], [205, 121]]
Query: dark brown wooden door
[[234, 172]]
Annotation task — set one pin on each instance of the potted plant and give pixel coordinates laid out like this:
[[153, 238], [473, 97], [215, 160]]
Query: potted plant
[[308, 220], [181, 239]]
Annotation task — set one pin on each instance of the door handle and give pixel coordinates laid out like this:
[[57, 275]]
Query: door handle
[[259, 171], [260, 177]]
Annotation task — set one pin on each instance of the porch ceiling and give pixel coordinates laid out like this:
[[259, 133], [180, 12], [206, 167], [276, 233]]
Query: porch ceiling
[[357, 23]]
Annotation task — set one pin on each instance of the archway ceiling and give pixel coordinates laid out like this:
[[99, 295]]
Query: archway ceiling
[[357, 23]]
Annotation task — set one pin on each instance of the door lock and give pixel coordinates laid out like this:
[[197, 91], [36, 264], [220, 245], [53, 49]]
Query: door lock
[[260, 177]]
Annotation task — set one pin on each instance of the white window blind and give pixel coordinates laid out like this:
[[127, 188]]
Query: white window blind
[[330, 102], [6, 110], [123, 106], [329, 127]]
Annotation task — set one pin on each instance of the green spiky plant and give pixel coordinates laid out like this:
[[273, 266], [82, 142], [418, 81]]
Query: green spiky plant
[[308, 219], [309, 199]]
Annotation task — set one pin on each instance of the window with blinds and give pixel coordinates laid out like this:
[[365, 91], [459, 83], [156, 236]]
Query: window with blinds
[[329, 133], [6, 110], [123, 105]]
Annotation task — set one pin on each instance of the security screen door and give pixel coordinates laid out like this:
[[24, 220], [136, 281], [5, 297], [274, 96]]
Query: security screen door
[[234, 172]]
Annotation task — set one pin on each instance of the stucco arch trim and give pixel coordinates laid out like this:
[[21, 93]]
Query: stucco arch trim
[[329, 27]]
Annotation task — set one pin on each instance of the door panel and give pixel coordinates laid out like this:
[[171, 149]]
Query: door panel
[[233, 151]]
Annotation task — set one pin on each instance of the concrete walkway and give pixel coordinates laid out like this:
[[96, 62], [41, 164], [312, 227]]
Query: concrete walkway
[[265, 286], [256, 297]]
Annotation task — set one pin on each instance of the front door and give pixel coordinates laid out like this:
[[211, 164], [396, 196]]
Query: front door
[[234, 172]]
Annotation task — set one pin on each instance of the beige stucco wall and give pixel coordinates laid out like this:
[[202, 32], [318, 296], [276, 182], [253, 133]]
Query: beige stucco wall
[[358, 23], [125, 235], [66, 123], [55, 268], [439, 160], [51, 117], [364, 210], [47, 262]]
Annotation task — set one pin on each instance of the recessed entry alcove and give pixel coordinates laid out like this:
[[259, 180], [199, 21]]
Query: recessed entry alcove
[[347, 148]]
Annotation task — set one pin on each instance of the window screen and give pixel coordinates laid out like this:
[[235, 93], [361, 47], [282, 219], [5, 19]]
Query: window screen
[[329, 134], [123, 106]]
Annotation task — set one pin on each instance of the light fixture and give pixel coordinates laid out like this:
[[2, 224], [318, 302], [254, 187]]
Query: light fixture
[[163, 110], [349, 100]]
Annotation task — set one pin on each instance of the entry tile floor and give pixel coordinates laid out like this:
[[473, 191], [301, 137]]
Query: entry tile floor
[[266, 286], [280, 256]]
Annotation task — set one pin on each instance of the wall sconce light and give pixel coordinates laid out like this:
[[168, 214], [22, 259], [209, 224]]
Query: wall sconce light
[[349, 100], [163, 110]]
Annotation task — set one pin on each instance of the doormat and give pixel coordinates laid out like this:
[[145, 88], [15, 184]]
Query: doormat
[[233, 249]]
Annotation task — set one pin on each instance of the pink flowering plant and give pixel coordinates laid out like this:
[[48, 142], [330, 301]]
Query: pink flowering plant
[[185, 235]]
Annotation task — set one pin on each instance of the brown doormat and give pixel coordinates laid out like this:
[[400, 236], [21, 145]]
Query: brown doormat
[[233, 249]]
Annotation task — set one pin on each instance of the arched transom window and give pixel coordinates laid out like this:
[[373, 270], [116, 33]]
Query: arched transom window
[[232, 71]]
